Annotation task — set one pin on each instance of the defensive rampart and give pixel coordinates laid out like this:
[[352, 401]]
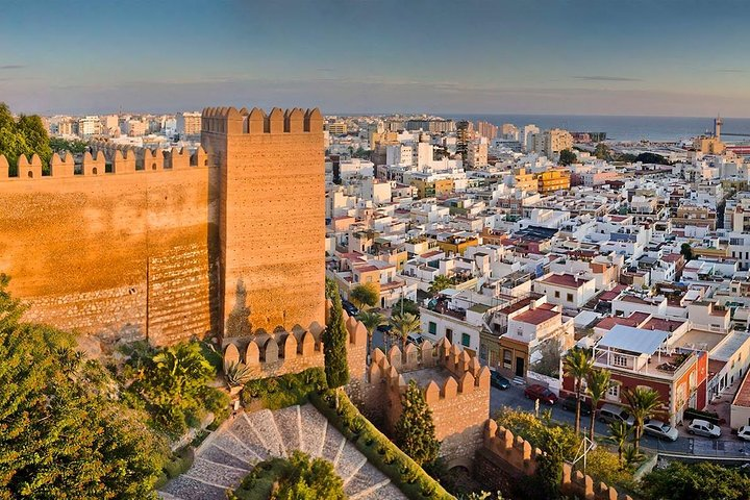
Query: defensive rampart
[[132, 244]]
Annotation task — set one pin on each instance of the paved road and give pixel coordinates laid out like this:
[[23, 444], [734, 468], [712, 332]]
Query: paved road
[[725, 447]]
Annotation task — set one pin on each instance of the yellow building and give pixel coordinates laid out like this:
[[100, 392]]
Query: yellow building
[[554, 179], [526, 181], [456, 244], [429, 189], [709, 145]]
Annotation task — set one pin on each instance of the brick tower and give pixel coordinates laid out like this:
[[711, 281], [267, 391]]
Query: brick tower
[[271, 245]]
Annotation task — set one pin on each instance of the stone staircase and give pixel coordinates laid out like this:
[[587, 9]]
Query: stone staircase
[[229, 453]]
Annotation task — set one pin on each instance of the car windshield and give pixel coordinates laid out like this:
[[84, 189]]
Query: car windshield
[[665, 427], [546, 392], [624, 415]]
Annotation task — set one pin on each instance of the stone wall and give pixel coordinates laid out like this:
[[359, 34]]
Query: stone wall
[[505, 459], [459, 399], [122, 254], [142, 244]]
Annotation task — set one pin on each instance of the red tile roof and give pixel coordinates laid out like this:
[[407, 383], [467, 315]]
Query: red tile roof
[[536, 316], [566, 280]]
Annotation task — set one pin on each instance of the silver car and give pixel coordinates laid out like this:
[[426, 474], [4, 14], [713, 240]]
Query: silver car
[[744, 433], [704, 428], [661, 430]]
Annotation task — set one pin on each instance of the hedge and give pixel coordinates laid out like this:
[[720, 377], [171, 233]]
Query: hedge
[[692, 413], [409, 477]]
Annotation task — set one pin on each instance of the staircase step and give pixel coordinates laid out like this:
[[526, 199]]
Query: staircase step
[[350, 461], [167, 496], [219, 456], [386, 492], [244, 432], [187, 488], [288, 424], [232, 445], [216, 473], [332, 444], [365, 492], [264, 425], [313, 430], [367, 479]]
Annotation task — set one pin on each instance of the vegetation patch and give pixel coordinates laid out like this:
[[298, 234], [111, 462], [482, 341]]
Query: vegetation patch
[[297, 478], [287, 390]]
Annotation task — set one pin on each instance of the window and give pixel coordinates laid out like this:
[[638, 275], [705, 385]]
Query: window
[[557, 294], [614, 391], [620, 360], [507, 359], [432, 328], [483, 352], [449, 334], [465, 339], [570, 297]]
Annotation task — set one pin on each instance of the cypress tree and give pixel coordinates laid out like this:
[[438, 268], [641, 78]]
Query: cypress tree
[[415, 430], [335, 339]]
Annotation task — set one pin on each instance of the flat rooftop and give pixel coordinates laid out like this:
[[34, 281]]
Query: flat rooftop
[[425, 375], [699, 339]]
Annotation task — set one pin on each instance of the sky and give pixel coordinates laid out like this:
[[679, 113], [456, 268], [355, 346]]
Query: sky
[[583, 57]]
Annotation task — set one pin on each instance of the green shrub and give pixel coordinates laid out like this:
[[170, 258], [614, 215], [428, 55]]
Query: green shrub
[[409, 477], [180, 462], [287, 390]]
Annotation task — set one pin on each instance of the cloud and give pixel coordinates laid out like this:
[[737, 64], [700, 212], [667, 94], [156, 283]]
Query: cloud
[[600, 78], [11, 66]]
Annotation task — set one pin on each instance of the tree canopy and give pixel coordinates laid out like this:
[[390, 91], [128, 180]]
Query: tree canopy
[[335, 340], [704, 480], [415, 429], [567, 157], [364, 295], [62, 435], [26, 135]]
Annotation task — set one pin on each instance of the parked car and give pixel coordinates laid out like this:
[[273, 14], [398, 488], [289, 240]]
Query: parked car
[[541, 393], [744, 433], [661, 430], [612, 413], [414, 338], [704, 428], [498, 381], [350, 308], [569, 404], [385, 328]]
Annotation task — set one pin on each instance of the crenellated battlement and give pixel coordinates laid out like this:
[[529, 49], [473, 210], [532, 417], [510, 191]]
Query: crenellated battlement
[[256, 121], [106, 160], [466, 373], [518, 454]]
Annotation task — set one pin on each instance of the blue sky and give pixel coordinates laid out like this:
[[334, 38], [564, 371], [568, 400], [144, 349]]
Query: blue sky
[[630, 57]]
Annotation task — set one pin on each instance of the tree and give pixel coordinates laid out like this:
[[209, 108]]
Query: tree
[[703, 480], [26, 136], [415, 431], [62, 436], [310, 479], [577, 364], [642, 403], [364, 295], [60, 145], [597, 385], [652, 158], [686, 251], [603, 152], [335, 340], [567, 157], [405, 325], [549, 363], [440, 283], [405, 305], [371, 319], [619, 433]]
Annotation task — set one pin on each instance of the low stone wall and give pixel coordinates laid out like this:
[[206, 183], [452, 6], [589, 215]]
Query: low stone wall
[[506, 458]]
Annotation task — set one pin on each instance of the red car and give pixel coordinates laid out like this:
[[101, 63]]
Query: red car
[[541, 393]]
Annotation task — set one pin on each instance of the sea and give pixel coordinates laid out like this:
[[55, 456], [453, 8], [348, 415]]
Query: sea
[[624, 128]]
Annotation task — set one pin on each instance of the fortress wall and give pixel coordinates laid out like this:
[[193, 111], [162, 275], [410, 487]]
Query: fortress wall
[[118, 255], [271, 216]]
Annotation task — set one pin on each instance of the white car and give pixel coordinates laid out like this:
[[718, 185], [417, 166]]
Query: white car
[[744, 433], [661, 430], [704, 428]]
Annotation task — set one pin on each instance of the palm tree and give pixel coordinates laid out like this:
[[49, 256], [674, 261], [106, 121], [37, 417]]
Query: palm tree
[[642, 403], [405, 325], [619, 433], [632, 457], [597, 384], [577, 364], [440, 283], [371, 319]]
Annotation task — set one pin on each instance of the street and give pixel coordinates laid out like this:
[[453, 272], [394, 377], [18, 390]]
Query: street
[[726, 446]]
